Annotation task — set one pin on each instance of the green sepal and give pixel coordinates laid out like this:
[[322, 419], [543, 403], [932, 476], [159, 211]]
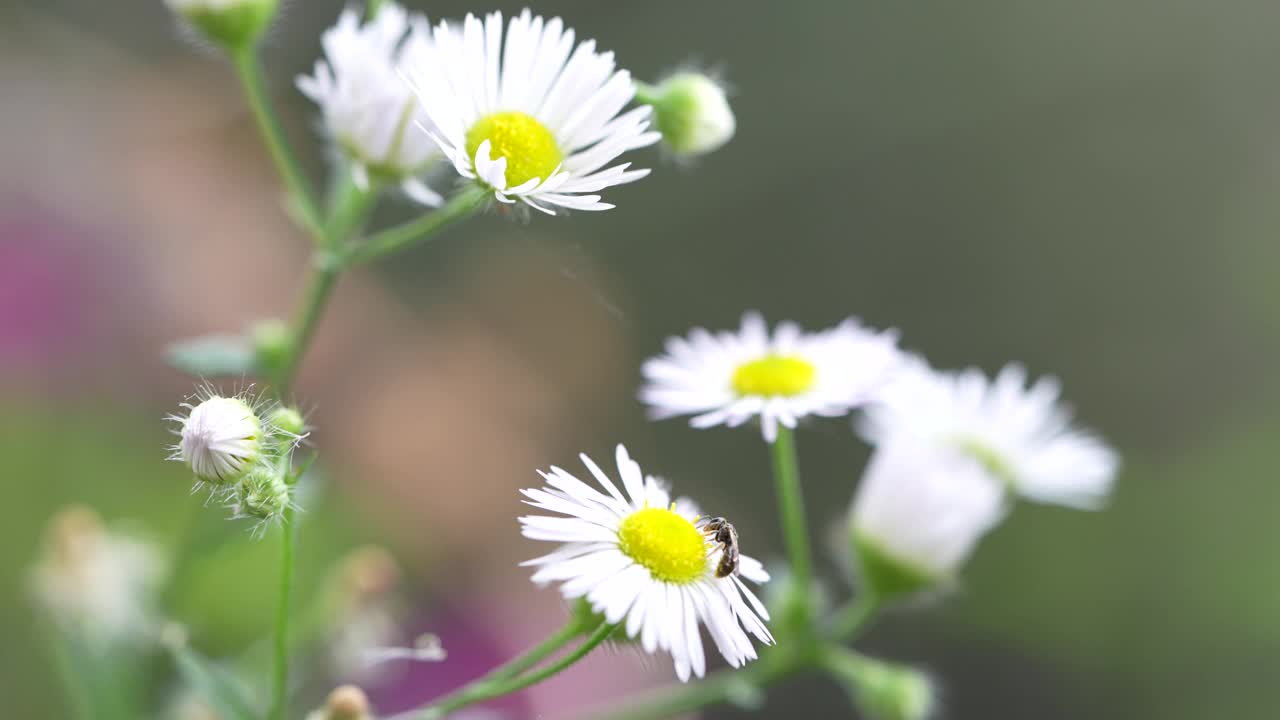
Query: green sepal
[[234, 27], [887, 576]]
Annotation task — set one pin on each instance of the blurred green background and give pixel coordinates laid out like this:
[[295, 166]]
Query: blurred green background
[[1087, 187]]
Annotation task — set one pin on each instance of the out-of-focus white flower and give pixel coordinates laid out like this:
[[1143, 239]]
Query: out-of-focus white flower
[[918, 513], [693, 113], [365, 617], [728, 378], [369, 109], [529, 117], [96, 583], [642, 559], [232, 23], [1021, 435]]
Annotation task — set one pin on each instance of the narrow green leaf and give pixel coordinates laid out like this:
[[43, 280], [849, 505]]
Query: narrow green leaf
[[212, 356]]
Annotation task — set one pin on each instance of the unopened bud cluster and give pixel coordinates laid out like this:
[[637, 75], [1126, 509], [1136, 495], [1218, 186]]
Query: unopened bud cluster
[[240, 447]]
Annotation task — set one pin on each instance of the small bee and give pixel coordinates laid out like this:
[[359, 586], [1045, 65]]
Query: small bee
[[723, 532]]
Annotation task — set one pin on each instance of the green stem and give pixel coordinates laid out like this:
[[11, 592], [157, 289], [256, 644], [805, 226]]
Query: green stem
[[742, 686], [854, 618], [537, 653], [249, 71], [646, 94], [786, 473], [485, 689], [323, 279], [395, 239], [280, 675], [349, 208]]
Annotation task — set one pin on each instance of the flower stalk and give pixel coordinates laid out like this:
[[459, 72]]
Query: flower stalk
[[249, 70], [795, 529]]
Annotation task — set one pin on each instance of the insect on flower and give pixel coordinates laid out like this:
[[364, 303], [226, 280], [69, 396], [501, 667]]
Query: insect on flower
[[723, 533]]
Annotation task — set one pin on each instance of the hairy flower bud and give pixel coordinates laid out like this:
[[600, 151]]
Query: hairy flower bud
[[263, 494], [289, 422], [231, 23], [221, 438], [693, 113]]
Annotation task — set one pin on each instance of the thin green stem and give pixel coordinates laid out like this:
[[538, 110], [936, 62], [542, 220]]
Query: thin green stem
[[786, 473], [741, 686], [646, 94], [484, 689], [323, 279], [349, 207], [852, 620], [249, 71], [371, 9], [280, 674], [537, 653], [393, 240]]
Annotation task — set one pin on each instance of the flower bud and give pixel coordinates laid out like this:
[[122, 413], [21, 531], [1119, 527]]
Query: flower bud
[[288, 421], [346, 702], [234, 24], [221, 439], [884, 690], [271, 342], [917, 515], [692, 113], [262, 494]]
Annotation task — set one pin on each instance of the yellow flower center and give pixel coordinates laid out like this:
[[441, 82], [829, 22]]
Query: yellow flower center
[[665, 543], [529, 147], [774, 375]]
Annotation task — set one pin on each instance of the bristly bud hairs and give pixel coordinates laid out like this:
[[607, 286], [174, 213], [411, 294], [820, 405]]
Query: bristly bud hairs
[[239, 446]]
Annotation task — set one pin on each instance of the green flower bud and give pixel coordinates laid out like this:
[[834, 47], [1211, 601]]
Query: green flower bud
[[884, 690], [271, 340], [262, 494], [692, 111], [234, 24], [289, 421]]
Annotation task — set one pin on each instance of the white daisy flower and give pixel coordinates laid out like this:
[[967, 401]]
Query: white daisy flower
[[643, 558], [918, 513], [369, 109], [729, 378], [1021, 434], [529, 116]]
